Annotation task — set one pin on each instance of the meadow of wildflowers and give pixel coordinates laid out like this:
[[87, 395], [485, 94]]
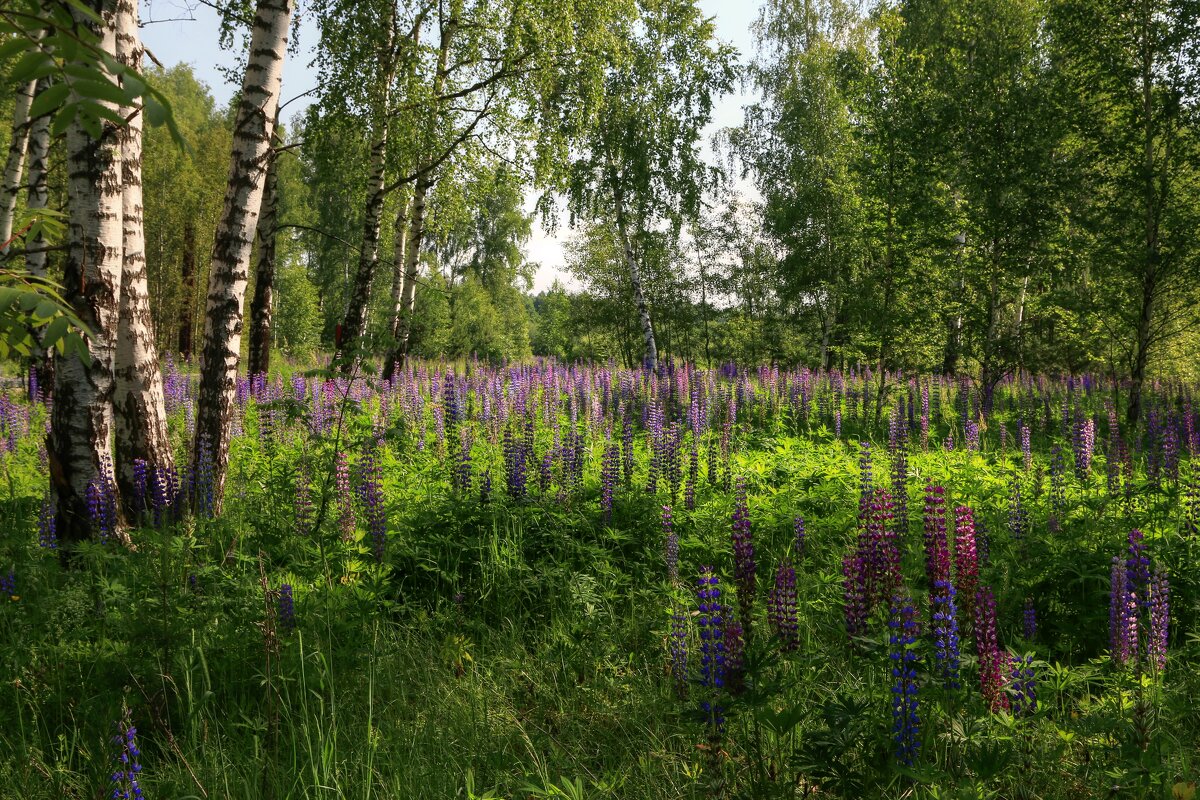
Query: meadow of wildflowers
[[516, 582]]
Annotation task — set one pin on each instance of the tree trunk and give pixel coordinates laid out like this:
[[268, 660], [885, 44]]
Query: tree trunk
[[416, 234], [253, 129], [264, 273], [187, 291], [399, 254], [139, 407], [955, 323], [81, 420], [354, 324], [38, 197], [635, 280], [16, 160]]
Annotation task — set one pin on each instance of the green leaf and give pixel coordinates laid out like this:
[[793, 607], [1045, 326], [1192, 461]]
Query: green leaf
[[48, 100]]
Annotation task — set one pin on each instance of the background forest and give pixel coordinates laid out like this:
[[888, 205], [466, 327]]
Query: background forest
[[972, 186]]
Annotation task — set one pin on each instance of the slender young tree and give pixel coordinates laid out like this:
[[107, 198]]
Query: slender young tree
[[139, 405], [15, 163], [229, 270], [264, 271], [37, 198]]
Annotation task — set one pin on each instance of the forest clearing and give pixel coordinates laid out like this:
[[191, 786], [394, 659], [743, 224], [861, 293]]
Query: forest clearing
[[849, 448]]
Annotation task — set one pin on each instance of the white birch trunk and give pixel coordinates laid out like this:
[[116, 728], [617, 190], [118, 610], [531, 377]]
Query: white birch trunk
[[635, 280], [38, 197], [81, 420], [139, 406], [15, 163], [228, 274]]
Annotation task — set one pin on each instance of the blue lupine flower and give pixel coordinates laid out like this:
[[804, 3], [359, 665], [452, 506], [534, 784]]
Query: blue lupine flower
[[945, 634], [287, 608], [128, 767], [906, 724]]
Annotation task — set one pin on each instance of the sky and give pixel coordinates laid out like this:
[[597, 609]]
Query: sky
[[188, 31]]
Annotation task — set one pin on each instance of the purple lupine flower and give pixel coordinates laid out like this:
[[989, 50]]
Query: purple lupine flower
[[937, 548], [900, 482], [303, 504], [991, 658], [1160, 619], [286, 608], [125, 777], [485, 486], [373, 500], [672, 545], [1024, 686], [948, 444], [1026, 451], [345, 501], [689, 489], [744, 567], [515, 467], [141, 498], [866, 483], [203, 480], [781, 606], [1170, 449], [1122, 625], [1018, 515], [1058, 495], [735, 657], [1137, 567], [712, 650], [1085, 444], [47, 524], [971, 434], [102, 503], [945, 634], [679, 650], [8, 585], [463, 474], [906, 722], [1029, 623], [166, 498], [608, 480], [800, 539]]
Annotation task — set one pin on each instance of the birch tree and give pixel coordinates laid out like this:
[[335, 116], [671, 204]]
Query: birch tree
[[138, 401], [228, 273], [15, 162]]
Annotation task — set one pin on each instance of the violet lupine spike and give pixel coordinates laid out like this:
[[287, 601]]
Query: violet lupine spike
[[286, 608], [126, 775], [1026, 451], [345, 500], [373, 499], [854, 593], [1137, 567], [1023, 683], [937, 547], [689, 490], [711, 625], [947, 657], [1018, 515], [679, 650], [1029, 623], [781, 606], [47, 524], [303, 505], [1123, 616], [866, 481], [799, 540], [609, 467], [744, 567], [671, 539], [1160, 619], [992, 659], [1085, 444], [906, 722]]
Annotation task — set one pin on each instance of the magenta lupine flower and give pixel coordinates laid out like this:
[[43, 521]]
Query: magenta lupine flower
[[744, 568], [937, 548], [672, 545], [966, 559], [854, 593], [1160, 619], [992, 659], [781, 606]]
